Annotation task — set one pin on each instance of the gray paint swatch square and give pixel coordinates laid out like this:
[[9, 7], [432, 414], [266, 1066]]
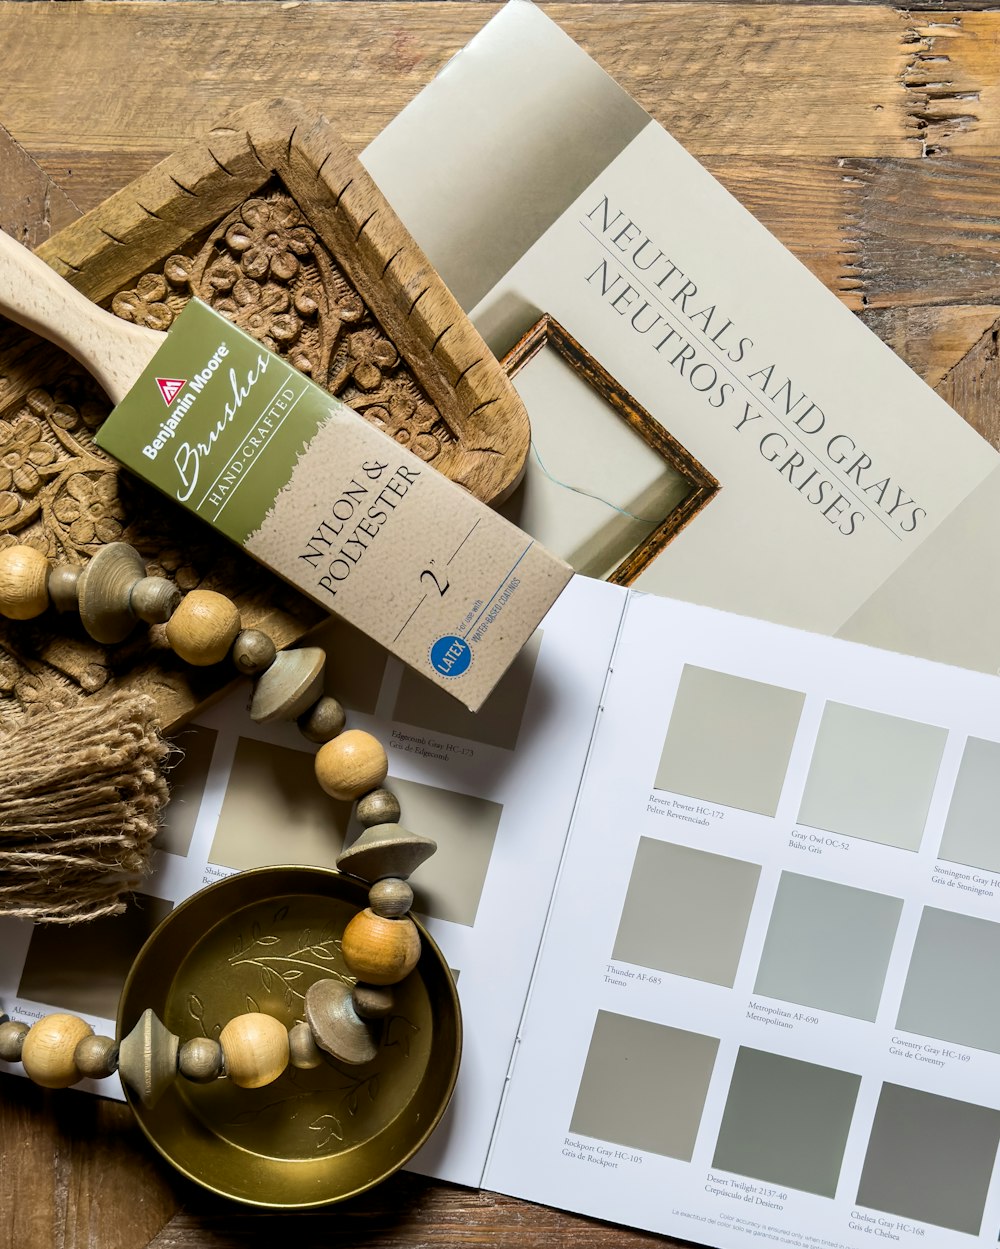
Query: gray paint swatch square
[[828, 946], [786, 1122], [949, 992], [644, 1085], [729, 740], [972, 830], [686, 912], [872, 776], [930, 1158]]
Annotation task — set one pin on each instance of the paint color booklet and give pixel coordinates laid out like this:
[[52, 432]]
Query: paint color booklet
[[853, 501], [763, 1008]]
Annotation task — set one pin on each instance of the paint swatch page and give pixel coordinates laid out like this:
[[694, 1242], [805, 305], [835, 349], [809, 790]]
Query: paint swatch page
[[764, 1008]]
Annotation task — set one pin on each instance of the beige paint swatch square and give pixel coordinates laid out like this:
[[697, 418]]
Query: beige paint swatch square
[[686, 911], [729, 740], [82, 967], [644, 1085], [274, 812]]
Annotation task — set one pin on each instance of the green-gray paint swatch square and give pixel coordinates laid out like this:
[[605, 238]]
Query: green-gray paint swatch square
[[729, 740], [950, 986], [686, 911], [644, 1085], [786, 1122], [872, 776], [828, 946], [930, 1158], [972, 830]]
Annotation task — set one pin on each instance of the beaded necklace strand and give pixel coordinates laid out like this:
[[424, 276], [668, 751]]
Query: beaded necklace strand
[[380, 945]]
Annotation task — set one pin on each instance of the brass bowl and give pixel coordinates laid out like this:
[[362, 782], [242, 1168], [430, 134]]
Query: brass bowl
[[256, 941]]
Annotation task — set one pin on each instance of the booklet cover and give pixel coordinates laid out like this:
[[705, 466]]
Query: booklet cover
[[853, 501]]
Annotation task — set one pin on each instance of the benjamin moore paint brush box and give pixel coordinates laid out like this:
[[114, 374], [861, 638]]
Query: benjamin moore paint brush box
[[334, 506]]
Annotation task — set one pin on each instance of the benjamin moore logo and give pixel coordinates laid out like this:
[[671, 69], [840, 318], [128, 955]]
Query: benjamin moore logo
[[170, 388]]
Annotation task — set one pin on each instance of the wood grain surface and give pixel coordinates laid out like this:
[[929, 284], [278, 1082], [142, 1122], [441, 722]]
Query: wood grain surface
[[866, 138]]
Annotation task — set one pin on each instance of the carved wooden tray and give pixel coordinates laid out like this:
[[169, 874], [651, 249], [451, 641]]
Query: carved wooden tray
[[272, 221]]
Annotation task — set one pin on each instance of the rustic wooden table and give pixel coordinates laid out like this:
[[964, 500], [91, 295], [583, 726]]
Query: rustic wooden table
[[866, 138]]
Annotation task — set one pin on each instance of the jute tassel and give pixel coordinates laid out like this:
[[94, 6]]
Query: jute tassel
[[81, 789]]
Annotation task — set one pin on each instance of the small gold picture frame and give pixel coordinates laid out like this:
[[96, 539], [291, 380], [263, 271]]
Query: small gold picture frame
[[693, 485]]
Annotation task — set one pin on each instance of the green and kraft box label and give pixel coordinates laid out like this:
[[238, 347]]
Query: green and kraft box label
[[333, 505]]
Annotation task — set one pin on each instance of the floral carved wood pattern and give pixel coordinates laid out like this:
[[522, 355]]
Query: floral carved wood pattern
[[264, 269], [274, 223]]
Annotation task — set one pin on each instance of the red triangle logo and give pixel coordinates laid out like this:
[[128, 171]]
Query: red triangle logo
[[170, 388]]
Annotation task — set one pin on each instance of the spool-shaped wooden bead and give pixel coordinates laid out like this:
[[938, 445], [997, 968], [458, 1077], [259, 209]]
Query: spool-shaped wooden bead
[[24, 575], [104, 592], [289, 686], [351, 764], [203, 628], [48, 1051], [255, 1047], [378, 950], [147, 1058]]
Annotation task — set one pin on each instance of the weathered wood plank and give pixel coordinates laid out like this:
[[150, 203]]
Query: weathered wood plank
[[75, 1173], [771, 80], [406, 1210], [32, 206]]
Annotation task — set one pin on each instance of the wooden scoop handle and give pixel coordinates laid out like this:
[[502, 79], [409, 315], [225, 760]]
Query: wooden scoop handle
[[35, 296]]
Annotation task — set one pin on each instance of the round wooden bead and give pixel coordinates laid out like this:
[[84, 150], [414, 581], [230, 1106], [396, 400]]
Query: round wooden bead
[[372, 1001], [96, 1057], [24, 574], [63, 586], [303, 1052], [351, 764], [203, 628], [380, 951], [253, 652], [378, 807], [323, 721], [47, 1053], [155, 599], [255, 1048], [11, 1040], [200, 1060], [390, 897]]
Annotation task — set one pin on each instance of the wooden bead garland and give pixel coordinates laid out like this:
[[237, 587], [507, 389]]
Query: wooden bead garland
[[380, 945]]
